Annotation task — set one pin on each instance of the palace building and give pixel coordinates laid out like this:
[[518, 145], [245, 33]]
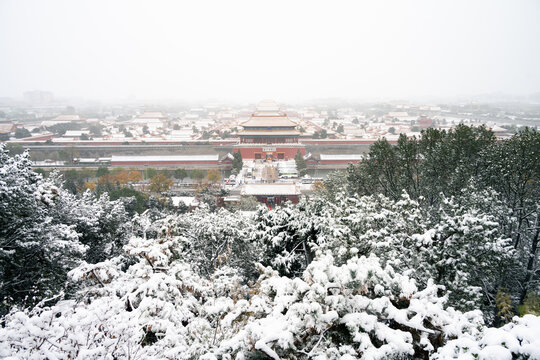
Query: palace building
[[269, 134]]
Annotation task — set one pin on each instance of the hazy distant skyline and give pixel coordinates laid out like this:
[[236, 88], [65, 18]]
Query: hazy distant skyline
[[285, 50]]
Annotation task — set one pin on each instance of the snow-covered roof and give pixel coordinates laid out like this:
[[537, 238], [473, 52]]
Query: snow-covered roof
[[341, 157], [116, 158], [228, 156], [152, 115], [6, 127], [88, 160], [268, 105], [397, 113], [147, 121], [268, 120], [270, 189], [292, 132], [497, 128], [61, 118], [76, 133], [47, 123]]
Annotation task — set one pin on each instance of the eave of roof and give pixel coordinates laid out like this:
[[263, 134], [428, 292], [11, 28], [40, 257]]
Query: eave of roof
[[291, 132]]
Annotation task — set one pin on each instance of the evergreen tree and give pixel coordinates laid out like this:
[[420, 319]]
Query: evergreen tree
[[22, 133], [45, 231], [180, 174], [237, 163], [36, 250], [300, 163]]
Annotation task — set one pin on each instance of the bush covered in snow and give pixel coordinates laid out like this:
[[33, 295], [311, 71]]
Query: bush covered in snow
[[416, 268], [161, 308]]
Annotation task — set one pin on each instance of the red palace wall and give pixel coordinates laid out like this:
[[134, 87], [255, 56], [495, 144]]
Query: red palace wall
[[288, 153], [341, 141]]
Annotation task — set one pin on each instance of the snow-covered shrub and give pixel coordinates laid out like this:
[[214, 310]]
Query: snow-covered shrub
[[460, 244], [160, 308], [208, 240], [120, 314], [468, 251], [356, 310], [516, 340], [289, 236]]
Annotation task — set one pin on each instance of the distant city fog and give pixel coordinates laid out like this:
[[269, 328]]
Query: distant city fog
[[287, 51]]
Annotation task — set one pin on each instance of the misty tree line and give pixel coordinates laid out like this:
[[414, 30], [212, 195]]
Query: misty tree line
[[412, 253]]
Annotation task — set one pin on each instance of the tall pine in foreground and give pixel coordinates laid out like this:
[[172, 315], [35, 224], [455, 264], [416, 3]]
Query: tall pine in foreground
[[45, 231], [35, 250]]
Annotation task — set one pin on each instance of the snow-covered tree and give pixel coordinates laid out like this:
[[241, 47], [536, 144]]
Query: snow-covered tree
[[208, 240], [439, 162], [36, 251], [512, 167], [459, 244], [161, 307], [45, 231], [289, 235]]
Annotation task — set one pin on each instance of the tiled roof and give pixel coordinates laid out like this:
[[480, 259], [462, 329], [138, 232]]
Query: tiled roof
[[268, 121], [268, 132], [165, 158], [6, 127]]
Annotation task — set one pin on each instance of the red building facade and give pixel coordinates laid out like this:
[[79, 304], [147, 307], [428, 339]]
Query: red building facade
[[269, 134]]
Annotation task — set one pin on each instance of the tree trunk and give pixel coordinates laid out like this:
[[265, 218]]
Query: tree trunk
[[530, 266]]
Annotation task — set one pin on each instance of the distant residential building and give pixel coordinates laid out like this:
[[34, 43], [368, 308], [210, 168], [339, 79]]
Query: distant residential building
[[6, 129], [153, 115], [69, 118], [181, 135], [425, 122], [63, 119], [152, 120]]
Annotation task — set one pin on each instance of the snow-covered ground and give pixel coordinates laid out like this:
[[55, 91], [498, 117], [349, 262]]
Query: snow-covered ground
[[254, 172]]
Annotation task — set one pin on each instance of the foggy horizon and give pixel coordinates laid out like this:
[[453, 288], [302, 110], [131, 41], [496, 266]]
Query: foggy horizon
[[247, 51]]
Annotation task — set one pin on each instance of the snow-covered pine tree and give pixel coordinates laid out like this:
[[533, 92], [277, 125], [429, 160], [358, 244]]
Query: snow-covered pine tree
[[289, 235], [45, 231], [35, 250]]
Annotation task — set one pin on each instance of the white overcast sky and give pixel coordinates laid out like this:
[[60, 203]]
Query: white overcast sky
[[285, 50]]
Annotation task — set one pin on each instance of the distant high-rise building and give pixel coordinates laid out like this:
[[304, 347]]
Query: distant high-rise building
[[38, 97]]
